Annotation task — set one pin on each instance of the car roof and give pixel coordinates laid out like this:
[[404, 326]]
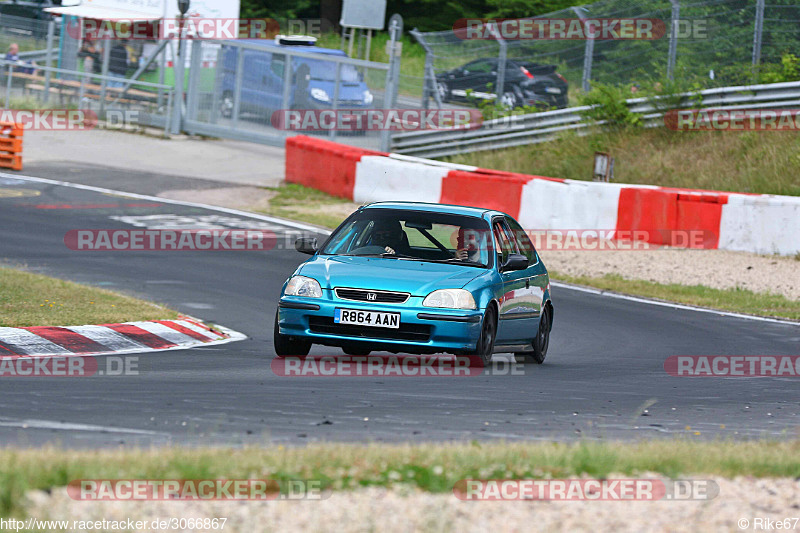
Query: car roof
[[436, 208], [272, 46]]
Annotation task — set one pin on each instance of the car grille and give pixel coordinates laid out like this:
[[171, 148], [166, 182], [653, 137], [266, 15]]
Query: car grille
[[406, 332], [364, 295]]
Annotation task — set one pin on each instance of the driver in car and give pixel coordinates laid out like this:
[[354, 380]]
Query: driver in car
[[467, 248], [388, 234]]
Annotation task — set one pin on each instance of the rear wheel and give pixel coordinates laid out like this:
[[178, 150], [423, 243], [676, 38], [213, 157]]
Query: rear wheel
[[540, 343], [485, 344], [286, 345]]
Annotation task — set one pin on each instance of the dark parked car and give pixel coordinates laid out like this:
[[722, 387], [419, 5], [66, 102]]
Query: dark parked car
[[525, 83]]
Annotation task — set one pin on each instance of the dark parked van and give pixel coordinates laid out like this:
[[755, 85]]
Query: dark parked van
[[312, 83]]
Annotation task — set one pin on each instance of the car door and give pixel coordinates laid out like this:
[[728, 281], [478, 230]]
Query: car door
[[475, 77], [535, 275], [514, 316], [254, 81], [273, 82]]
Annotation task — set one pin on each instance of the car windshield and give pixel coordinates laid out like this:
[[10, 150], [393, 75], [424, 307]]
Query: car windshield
[[413, 235], [326, 71]]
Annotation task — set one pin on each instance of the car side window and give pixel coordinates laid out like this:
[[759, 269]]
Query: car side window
[[479, 66], [524, 244], [503, 245], [277, 65]]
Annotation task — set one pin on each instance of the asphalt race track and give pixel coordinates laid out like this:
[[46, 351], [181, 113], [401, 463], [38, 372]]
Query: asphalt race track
[[606, 356]]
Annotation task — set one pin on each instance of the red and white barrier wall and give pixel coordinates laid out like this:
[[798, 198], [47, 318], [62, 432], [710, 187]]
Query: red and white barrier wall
[[763, 224]]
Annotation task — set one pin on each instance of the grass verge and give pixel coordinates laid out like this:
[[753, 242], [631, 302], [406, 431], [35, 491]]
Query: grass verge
[[28, 299], [431, 467], [305, 204], [754, 162], [735, 300]]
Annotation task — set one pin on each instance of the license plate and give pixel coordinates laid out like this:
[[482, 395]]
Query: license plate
[[376, 319], [552, 90]]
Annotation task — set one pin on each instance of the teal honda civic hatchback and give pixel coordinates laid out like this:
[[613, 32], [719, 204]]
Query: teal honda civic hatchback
[[419, 278]]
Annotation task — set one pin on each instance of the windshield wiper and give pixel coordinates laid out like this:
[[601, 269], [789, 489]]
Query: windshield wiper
[[385, 254], [456, 260], [399, 256]]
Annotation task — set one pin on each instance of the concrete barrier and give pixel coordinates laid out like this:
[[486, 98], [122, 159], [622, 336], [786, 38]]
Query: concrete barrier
[[659, 215]]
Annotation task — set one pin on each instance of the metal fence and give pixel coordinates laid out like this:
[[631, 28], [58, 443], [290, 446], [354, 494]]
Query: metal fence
[[713, 42], [517, 130], [235, 89], [36, 80], [30, 86]]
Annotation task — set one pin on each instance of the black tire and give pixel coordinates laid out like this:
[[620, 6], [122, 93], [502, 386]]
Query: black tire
[[286, 345], [443, 90], [540, 343], [355, 350], [485, 345], [509, 100], [226, 105]]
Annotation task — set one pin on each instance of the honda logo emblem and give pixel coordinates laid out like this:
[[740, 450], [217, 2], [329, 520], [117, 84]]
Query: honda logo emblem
[[371, 296]]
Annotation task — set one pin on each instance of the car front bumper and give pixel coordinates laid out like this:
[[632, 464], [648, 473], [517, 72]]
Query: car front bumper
[[422, 329]]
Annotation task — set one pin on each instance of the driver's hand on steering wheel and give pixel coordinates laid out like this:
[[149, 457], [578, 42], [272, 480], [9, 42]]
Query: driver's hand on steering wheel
[[389, 250], [462, 254]]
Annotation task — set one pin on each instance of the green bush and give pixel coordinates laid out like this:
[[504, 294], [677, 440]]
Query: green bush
[[608, 105]]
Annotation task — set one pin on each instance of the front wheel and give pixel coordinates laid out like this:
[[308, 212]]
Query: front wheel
[[485, 344], [443, 90], [509, 100], [226, 105], [540, 343], [286, 345]]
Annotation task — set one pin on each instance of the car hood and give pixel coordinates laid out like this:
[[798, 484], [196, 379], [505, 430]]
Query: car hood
[[415, 277]]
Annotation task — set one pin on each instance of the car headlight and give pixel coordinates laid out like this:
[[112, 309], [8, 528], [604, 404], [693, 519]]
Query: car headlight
[[319, 94], [303, 286], [450, 299], [368, 97]]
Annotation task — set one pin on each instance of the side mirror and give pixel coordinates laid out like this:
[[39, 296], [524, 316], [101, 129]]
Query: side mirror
[[514, 262], [306, 245]]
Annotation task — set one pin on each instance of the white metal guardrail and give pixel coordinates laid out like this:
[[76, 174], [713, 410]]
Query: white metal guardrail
[[540, 127]]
